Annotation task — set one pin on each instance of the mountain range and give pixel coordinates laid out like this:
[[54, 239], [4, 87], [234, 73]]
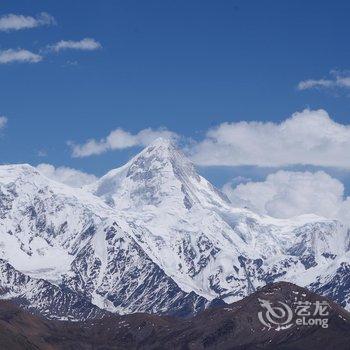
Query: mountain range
[[153, 236]]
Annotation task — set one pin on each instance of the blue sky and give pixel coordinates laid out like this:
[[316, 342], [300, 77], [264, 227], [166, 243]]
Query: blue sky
[[187, 66]]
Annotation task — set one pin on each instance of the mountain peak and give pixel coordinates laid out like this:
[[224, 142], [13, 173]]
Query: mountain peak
[[160, 175], [162, 148], [162, 142]]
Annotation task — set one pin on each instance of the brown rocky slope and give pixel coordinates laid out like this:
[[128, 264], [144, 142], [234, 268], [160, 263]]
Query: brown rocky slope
[[232, 327]]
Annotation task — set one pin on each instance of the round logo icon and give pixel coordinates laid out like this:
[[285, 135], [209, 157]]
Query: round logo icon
[[275, 316]]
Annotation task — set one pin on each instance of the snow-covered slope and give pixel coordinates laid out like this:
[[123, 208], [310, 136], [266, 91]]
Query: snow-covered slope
[[154, 236], [73, 240]]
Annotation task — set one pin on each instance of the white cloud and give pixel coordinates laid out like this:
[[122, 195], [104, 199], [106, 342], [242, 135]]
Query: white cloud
[[19, 55], [309, 137], [285, 194], [119, 139], [86, 44], [17, 22], [306, 138], [337, 80], [68, 176], [312, 83], [3, 121]]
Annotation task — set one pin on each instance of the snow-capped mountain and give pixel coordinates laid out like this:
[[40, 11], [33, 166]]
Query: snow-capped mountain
[[192, 231], [154, 236]]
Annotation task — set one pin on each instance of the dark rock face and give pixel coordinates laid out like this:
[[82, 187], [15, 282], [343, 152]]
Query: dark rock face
[[132, 281], [233, 327], [41, 297], [336, 288]]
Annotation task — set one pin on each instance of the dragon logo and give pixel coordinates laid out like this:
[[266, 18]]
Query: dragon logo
[[277, 317]]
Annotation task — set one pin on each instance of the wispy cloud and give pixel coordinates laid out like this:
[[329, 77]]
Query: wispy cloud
[[12, 22], [3, 122], [42, 153], [19, 55], [337, 79], [86, 44], [119, 139], [68, 176]]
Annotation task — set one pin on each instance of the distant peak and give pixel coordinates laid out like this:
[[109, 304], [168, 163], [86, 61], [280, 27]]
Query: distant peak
[[15, 171], [19, 168]]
